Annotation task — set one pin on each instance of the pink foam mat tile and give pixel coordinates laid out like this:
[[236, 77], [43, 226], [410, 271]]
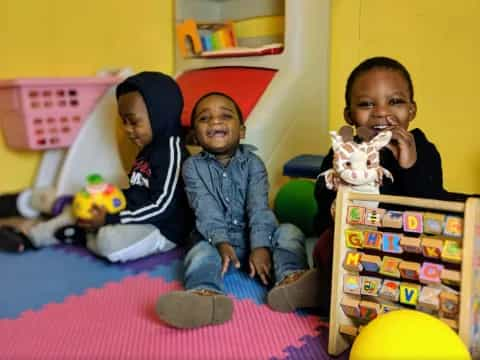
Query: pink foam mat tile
[[119, 321]]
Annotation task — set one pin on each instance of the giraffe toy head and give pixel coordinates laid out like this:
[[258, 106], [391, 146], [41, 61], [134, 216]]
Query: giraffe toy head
[[356, 164]]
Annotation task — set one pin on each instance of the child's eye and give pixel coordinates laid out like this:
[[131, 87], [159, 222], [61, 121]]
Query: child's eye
[[348, 164], [365, 104], [397, 101], [227, 116], [203, 118], [369, 163]]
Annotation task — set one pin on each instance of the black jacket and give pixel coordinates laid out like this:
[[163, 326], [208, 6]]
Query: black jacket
[[424, 179], [156, 194]]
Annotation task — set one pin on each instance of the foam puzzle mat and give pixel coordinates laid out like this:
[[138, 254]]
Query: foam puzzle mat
[[64, 303]]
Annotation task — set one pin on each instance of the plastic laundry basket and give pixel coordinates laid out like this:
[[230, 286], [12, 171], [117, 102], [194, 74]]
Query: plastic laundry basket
[[45, 113]]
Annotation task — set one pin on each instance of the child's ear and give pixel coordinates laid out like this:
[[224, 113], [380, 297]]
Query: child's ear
[[346, 116], [243, 130], [412, 111]]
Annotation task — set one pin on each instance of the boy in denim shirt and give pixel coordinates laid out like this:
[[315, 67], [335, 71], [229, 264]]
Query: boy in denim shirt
[[227, 187]]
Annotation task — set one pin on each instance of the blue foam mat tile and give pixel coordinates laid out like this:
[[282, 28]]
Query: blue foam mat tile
[[35, 278], [145, 264], [240, 285]]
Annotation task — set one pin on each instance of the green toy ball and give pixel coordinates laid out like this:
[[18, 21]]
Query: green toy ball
[[408, 334], [295, 203]]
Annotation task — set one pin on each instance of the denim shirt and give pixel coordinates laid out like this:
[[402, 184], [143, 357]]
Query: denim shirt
[[230, 202]]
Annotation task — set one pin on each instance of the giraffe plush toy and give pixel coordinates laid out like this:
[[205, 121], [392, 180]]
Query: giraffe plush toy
[[357, 164]]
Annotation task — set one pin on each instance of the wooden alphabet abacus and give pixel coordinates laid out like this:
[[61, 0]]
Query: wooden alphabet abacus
[[427, 259]]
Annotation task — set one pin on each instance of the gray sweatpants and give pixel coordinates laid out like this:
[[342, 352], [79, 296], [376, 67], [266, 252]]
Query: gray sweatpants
[[128, 242]]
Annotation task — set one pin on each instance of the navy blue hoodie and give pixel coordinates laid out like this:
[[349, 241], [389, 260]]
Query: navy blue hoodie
[[159, 199]]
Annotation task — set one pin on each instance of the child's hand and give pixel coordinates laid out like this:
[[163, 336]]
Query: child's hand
[[227, 253], [402, 146], [260, 263], [99, 214]]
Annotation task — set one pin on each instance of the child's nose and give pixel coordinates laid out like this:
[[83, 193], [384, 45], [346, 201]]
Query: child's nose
[[381, 110]]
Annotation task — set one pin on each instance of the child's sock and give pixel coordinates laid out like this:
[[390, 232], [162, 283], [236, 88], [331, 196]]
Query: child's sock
[[192, 309], [43, 234], [72, 235], [13, 240]]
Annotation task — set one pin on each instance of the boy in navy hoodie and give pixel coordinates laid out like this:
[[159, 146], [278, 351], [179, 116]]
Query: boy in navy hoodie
[[157, 216]]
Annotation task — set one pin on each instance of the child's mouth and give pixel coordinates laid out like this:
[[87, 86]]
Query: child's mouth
[[217, 133]]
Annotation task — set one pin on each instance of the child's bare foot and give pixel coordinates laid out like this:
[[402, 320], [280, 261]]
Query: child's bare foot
[[191, 309], [13, 240], [301, 289]]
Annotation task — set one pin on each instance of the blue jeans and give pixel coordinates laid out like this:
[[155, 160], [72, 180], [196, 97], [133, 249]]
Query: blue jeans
[[203, 264]]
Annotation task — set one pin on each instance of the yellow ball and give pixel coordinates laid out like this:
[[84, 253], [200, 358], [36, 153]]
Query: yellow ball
[[408, 334]]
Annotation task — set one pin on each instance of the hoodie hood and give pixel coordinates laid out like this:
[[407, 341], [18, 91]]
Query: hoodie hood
[[163, 100]]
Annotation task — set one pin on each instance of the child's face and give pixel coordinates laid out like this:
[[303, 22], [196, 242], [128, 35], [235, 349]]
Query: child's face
[[217, 126], [135, 119], [380, 99]]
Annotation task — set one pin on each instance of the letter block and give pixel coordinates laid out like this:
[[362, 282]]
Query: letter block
[[393, 219], [453, 226], [452, 252], [371, 263], [389, 266], [413, 222], [391, 243], [352, 261], [368, 310], [449, 304], [355, 215], [409, 270], [431, 273], [354, 238], [433, 223], [373, 217], [432, 248], [411, 244], [351, 284], [350, 306], [450, 277], [370, 285], [409, 293], [429, 300], [372, 240], [390, 290]]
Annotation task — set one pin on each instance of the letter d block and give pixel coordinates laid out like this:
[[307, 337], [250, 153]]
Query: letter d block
[[413, 222]]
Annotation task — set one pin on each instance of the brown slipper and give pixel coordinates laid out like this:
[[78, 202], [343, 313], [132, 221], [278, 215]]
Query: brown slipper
[[186, 309], [305, 292]]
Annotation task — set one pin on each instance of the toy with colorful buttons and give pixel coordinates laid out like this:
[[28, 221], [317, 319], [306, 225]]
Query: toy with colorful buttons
[[425, 258], [97, 192]]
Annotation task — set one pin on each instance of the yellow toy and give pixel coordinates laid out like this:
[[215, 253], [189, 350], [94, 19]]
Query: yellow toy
[[408, 334], [97, 192]]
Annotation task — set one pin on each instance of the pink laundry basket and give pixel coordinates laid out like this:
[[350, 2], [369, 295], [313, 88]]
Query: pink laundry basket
[[43, 113]]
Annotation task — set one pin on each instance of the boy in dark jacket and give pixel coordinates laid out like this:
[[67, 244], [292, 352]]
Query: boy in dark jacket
[[157, 216]]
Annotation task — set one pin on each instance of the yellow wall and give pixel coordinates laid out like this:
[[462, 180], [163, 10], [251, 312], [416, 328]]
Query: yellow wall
[[433, 38], [436, 40], [78, 38]]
